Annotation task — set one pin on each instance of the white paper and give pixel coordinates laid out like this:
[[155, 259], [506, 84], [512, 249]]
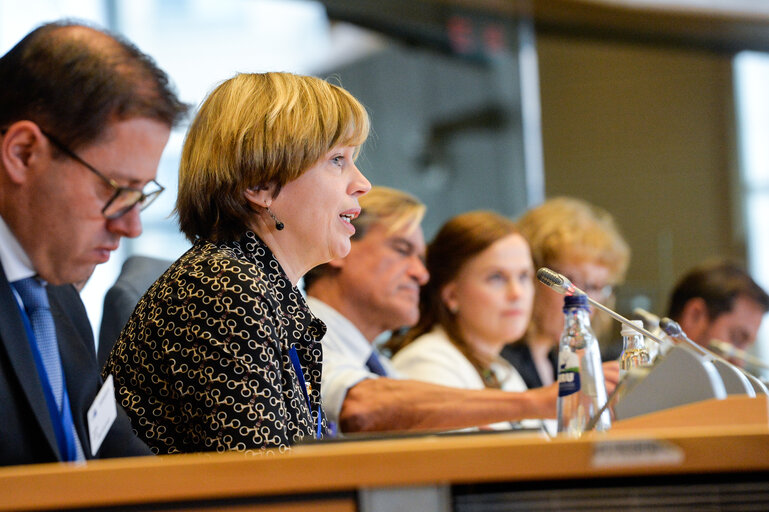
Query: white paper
[[102, 414]]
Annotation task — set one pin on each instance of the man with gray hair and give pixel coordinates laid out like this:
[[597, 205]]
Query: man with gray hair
[[375, 288]]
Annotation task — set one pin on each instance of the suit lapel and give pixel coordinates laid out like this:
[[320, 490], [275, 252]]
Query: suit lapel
[[16, 344]]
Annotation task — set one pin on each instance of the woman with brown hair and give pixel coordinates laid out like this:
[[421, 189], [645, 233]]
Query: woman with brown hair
[[478, 299]]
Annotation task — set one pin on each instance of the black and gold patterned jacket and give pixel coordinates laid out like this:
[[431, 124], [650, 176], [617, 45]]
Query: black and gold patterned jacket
[[203, 363]]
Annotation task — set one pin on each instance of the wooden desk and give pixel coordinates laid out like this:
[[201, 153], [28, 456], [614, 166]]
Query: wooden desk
[[449, 470]]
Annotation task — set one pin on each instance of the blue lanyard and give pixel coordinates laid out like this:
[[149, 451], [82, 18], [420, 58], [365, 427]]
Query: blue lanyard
[[61, 420], [300, 375]]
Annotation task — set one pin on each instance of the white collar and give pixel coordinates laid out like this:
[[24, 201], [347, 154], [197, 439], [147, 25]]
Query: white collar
[[357, 344], [16, 263]]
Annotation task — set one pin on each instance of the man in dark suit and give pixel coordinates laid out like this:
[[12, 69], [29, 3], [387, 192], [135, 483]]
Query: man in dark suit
[[84, 118]]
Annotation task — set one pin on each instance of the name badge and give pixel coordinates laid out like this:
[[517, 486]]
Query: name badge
[[102, 414]]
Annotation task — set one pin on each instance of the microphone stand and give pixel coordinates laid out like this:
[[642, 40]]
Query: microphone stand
[[563, 285], [621, 319], [672, 329], [728, 350]]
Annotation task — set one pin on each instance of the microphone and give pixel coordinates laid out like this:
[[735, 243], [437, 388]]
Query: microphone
[[730, 351], [562, 285], [673, 329], [726, 370], [557, 282]]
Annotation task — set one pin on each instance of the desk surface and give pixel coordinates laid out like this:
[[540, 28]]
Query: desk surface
[[348, 466]]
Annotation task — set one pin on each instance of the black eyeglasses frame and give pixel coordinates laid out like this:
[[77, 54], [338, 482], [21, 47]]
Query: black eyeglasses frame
[[133, 195]]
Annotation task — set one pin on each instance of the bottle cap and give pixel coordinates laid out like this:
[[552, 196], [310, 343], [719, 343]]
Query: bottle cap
[[575, 301], [629, 331]]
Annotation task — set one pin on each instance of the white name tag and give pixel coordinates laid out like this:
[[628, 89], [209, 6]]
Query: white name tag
[[636, 452], [102, 414]]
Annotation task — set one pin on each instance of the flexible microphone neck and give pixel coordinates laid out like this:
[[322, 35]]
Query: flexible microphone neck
[[730, 351], [562, 285], [673, 329]]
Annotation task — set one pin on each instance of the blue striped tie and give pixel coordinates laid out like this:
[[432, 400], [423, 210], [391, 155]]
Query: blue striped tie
[[375, 365], [35, 299]]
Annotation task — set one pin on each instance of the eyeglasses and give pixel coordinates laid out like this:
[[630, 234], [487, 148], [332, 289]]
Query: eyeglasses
[[593, 290], [602, 292], [124, 198]]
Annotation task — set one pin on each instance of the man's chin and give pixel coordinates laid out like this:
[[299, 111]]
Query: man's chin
[[404, 321], [54, 278], [78, 278]]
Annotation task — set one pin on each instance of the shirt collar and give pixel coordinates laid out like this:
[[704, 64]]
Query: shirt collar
[[357, 344], [16, 263]]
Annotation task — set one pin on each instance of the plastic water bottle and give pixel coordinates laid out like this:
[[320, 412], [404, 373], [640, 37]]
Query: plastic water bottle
[[581, 387], [634, 349]]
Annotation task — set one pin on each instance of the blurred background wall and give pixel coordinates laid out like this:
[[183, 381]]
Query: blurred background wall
[[648, 133]]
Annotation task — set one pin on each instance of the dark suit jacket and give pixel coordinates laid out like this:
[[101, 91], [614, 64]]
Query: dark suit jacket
[[26, 431], [519, 355], [136, 276]]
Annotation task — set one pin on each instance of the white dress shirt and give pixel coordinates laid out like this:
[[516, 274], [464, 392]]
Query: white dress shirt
[[16, 263], [345, 352]]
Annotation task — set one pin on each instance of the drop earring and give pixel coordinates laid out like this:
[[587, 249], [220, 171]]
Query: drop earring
[[278, 224]]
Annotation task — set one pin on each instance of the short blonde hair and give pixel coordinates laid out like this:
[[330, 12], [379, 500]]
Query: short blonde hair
[[390, 208], [565, 228], [381, 206], [254, 130]]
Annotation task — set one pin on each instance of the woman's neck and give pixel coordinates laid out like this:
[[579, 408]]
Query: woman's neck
[[291, 261], [484, 350]]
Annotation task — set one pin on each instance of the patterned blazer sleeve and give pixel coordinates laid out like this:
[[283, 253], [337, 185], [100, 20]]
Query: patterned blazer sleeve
[[198, 366]]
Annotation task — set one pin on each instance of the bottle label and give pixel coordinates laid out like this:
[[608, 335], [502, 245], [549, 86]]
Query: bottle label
[[568, 374]]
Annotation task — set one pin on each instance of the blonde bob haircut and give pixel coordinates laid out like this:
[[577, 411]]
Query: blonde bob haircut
[[569, 229], [256, 130]]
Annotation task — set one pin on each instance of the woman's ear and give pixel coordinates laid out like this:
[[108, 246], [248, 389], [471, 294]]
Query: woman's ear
[[449, 297], [260, 196]]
